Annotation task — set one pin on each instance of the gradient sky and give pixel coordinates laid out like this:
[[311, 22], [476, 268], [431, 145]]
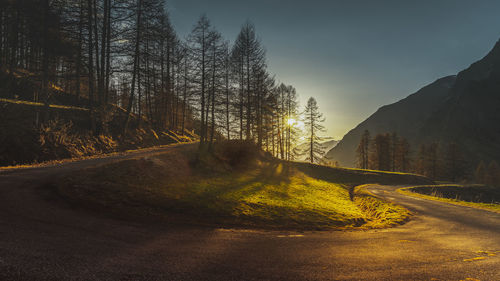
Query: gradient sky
[[354, 56]]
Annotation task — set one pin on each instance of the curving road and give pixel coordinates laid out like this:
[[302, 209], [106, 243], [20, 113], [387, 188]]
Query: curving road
[[42, 238]]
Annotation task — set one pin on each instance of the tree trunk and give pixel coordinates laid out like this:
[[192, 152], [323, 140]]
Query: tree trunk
[[135, 68]]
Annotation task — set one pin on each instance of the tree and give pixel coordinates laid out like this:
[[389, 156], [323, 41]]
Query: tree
[[289, 115], [381, 152], [122, 60], [136, 57], [363, 150], [250, 59], [429, 160], [394, 144], [384, 152], [492, 177], [480, 173], [227, 89], [433, 160], [453, 162], [217, 62], [199, 43], [312, 120], [403, 155]]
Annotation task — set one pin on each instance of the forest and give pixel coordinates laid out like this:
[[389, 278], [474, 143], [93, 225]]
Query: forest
[[122, 64], [439, 161]]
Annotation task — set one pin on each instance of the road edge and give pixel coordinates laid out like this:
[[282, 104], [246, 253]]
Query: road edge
[[406, 191]]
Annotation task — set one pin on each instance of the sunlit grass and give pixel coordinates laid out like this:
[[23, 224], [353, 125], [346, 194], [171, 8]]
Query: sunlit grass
[[39, 104], [256, 197], [297, 199], [269, 193], [377, 171], [379, 213], [485, 206]]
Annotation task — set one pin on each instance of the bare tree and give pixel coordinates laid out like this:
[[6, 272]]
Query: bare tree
[[199, 43], [251, 59], [363, 150]]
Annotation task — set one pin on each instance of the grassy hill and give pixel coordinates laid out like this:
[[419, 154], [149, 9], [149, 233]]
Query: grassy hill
[[236, 185]]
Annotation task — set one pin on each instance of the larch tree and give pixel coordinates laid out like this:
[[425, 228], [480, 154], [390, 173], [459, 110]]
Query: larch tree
[[492, 177], [250, 58], [136, 60], [381, 152], [480, 173], [363, 150], [313, 120], [403, 155], [199, 47], [121, 61], [454, 161]]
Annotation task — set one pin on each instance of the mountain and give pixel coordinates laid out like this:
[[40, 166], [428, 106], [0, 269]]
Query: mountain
[[463, 108], [327, 145], [406, 117]]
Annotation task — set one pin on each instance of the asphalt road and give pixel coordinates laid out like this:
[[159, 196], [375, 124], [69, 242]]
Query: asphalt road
[[42, 238]]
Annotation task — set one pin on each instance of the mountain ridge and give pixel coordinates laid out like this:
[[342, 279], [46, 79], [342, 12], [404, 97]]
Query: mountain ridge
[[464, 108]]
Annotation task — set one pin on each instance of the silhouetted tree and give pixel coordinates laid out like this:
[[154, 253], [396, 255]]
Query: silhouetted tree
[[492, 177], [381, 152], [250, 59], [363, 150], [199, 43], [123, 57], [402, 156], [312, 120], [433, 160], [428, 160], [480, 173], [454, 162]]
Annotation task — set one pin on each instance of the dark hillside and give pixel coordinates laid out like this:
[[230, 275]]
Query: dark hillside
[[464, 109], [405, 117]]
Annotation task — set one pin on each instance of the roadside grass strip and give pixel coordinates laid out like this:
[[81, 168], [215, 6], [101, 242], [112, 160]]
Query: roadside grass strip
[[483, 206]]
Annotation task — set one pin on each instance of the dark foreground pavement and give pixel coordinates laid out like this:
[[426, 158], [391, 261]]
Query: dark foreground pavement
[[42, 239]]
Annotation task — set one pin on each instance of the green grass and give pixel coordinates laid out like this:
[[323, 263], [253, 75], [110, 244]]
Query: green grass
[[264, 192], [355, 177], [411, 191]]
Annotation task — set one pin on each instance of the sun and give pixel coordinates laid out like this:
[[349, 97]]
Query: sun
[[291, 121]]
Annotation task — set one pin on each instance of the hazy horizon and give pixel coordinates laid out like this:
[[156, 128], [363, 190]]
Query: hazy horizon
[[354, 60]]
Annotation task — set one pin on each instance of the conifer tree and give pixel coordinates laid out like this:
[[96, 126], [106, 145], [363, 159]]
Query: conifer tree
[[312, 120]]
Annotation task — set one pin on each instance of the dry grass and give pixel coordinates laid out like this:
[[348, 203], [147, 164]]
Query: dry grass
[[67, 135], [435, 195], [381, 213]]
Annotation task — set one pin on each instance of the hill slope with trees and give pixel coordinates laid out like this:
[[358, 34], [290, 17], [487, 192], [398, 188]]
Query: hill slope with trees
[[118, 68], [456, 112]]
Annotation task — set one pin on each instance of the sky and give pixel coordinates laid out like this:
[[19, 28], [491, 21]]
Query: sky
[[354, 56]]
